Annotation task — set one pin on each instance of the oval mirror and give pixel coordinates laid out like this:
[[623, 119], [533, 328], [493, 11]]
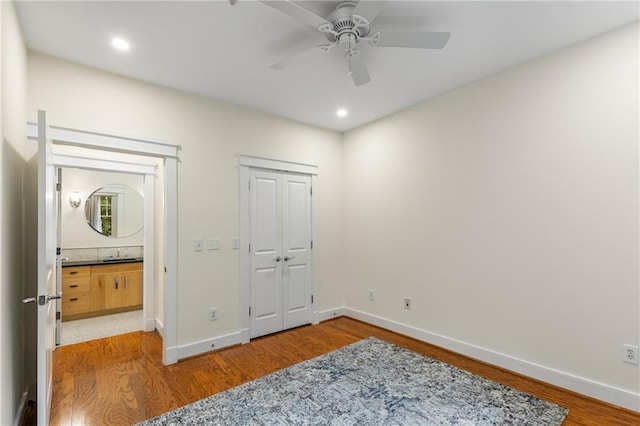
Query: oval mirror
[[115, 211]]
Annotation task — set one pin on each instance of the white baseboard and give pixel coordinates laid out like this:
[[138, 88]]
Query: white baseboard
[[219, 342], [160, 327], [562, 379], [320, 316], [19, 417], [601, 391], [149, 324], [245, 335]]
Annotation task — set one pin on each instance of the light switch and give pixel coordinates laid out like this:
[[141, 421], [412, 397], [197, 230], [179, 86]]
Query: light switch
[[197, 244], [213, 244], [235, 243]]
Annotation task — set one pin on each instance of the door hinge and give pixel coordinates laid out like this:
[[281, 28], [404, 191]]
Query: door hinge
[[249, 310], [249, 185], [58, 187], [58, 316], [249, 248], [311, 191], [58, 251], [312, 298], [311, 244]]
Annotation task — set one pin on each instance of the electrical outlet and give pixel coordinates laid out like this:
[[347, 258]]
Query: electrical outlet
[[407, 303], [213, 314], [630, 354], [371, 297]]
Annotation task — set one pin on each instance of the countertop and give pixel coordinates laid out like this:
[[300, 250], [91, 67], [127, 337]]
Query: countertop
[[101, 262]]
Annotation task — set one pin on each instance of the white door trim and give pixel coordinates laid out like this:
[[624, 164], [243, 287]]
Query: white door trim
[[148, 148], [246, 163]]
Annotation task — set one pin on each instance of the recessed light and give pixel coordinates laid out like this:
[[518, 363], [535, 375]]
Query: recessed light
[[342, 112], [120, 43]]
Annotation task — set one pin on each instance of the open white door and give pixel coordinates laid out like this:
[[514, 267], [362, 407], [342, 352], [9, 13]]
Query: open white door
[[47, 269]]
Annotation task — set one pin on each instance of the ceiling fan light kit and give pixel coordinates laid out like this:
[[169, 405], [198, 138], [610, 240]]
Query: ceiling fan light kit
[[349, 24]]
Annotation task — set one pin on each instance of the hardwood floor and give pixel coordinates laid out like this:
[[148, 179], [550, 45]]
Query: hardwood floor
[[121, 380]]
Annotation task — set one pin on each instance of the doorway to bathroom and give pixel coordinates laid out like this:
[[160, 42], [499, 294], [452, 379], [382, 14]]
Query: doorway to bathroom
[[101, 236]]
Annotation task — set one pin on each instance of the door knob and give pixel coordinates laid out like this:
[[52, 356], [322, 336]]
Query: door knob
[[289, 258], [278, 259]]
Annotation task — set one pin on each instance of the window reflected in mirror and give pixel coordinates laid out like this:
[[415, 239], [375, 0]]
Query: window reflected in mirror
[[115, 211]]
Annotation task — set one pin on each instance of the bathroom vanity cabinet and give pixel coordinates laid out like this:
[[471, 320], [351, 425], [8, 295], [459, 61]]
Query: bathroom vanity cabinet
[[94, 290]]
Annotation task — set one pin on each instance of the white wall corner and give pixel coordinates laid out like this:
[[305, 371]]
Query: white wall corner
[[601, 391], [208, 345]]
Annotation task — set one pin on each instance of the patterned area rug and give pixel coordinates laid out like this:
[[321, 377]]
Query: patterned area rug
[[370, 382]]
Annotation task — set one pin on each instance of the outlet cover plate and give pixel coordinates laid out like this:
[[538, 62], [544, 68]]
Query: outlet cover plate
[[630, 354]]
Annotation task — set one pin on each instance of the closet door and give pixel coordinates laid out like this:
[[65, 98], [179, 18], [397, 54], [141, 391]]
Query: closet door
[[296, 249], [266, 252], [280, 251]]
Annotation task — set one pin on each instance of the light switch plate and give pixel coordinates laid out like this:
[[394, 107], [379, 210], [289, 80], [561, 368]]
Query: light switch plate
[[235, 243], [197, 244], [213, 244]]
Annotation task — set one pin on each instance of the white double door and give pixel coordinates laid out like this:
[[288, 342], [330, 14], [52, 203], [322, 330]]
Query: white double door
[[280, 251]]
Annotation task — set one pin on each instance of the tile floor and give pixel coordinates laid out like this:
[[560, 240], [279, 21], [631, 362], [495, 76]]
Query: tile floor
[[95, 328]]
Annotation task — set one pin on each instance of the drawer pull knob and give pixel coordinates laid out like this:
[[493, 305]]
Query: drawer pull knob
[[73, 299], [73, 272], [73, 285]]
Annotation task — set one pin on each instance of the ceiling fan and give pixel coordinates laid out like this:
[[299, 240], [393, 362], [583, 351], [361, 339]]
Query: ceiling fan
[[350, 24]]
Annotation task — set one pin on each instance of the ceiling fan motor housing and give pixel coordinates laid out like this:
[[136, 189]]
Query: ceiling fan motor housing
[[347, 29]]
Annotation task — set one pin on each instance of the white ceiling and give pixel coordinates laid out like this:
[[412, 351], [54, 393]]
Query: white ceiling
[[224, 52]]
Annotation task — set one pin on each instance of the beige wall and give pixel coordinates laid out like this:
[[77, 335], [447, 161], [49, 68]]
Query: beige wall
[[212, 134], [508, 212], [13, 382]]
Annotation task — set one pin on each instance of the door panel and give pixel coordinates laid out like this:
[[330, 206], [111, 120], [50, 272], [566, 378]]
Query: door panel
[[296, 215], [267, 226], [297, 249], [267, 294], [266, 249]]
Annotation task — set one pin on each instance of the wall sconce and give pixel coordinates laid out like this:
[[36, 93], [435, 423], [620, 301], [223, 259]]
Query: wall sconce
[[74, 199]]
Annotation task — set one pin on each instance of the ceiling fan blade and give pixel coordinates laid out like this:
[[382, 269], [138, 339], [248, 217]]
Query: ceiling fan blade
[[359, 71], [415, 39], [300, 13], [369, 10]]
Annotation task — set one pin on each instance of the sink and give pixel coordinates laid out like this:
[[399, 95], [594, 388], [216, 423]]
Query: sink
[[123, 260]]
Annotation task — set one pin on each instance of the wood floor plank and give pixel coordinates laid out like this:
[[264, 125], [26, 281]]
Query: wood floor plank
[[121, 380]]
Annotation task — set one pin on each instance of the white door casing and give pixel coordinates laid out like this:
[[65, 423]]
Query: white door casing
[[167, 152], [287, 187]]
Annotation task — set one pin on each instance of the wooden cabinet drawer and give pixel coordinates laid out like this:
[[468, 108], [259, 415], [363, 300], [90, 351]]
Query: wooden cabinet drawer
[[77, 303], [76, 272], [73, 285]]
